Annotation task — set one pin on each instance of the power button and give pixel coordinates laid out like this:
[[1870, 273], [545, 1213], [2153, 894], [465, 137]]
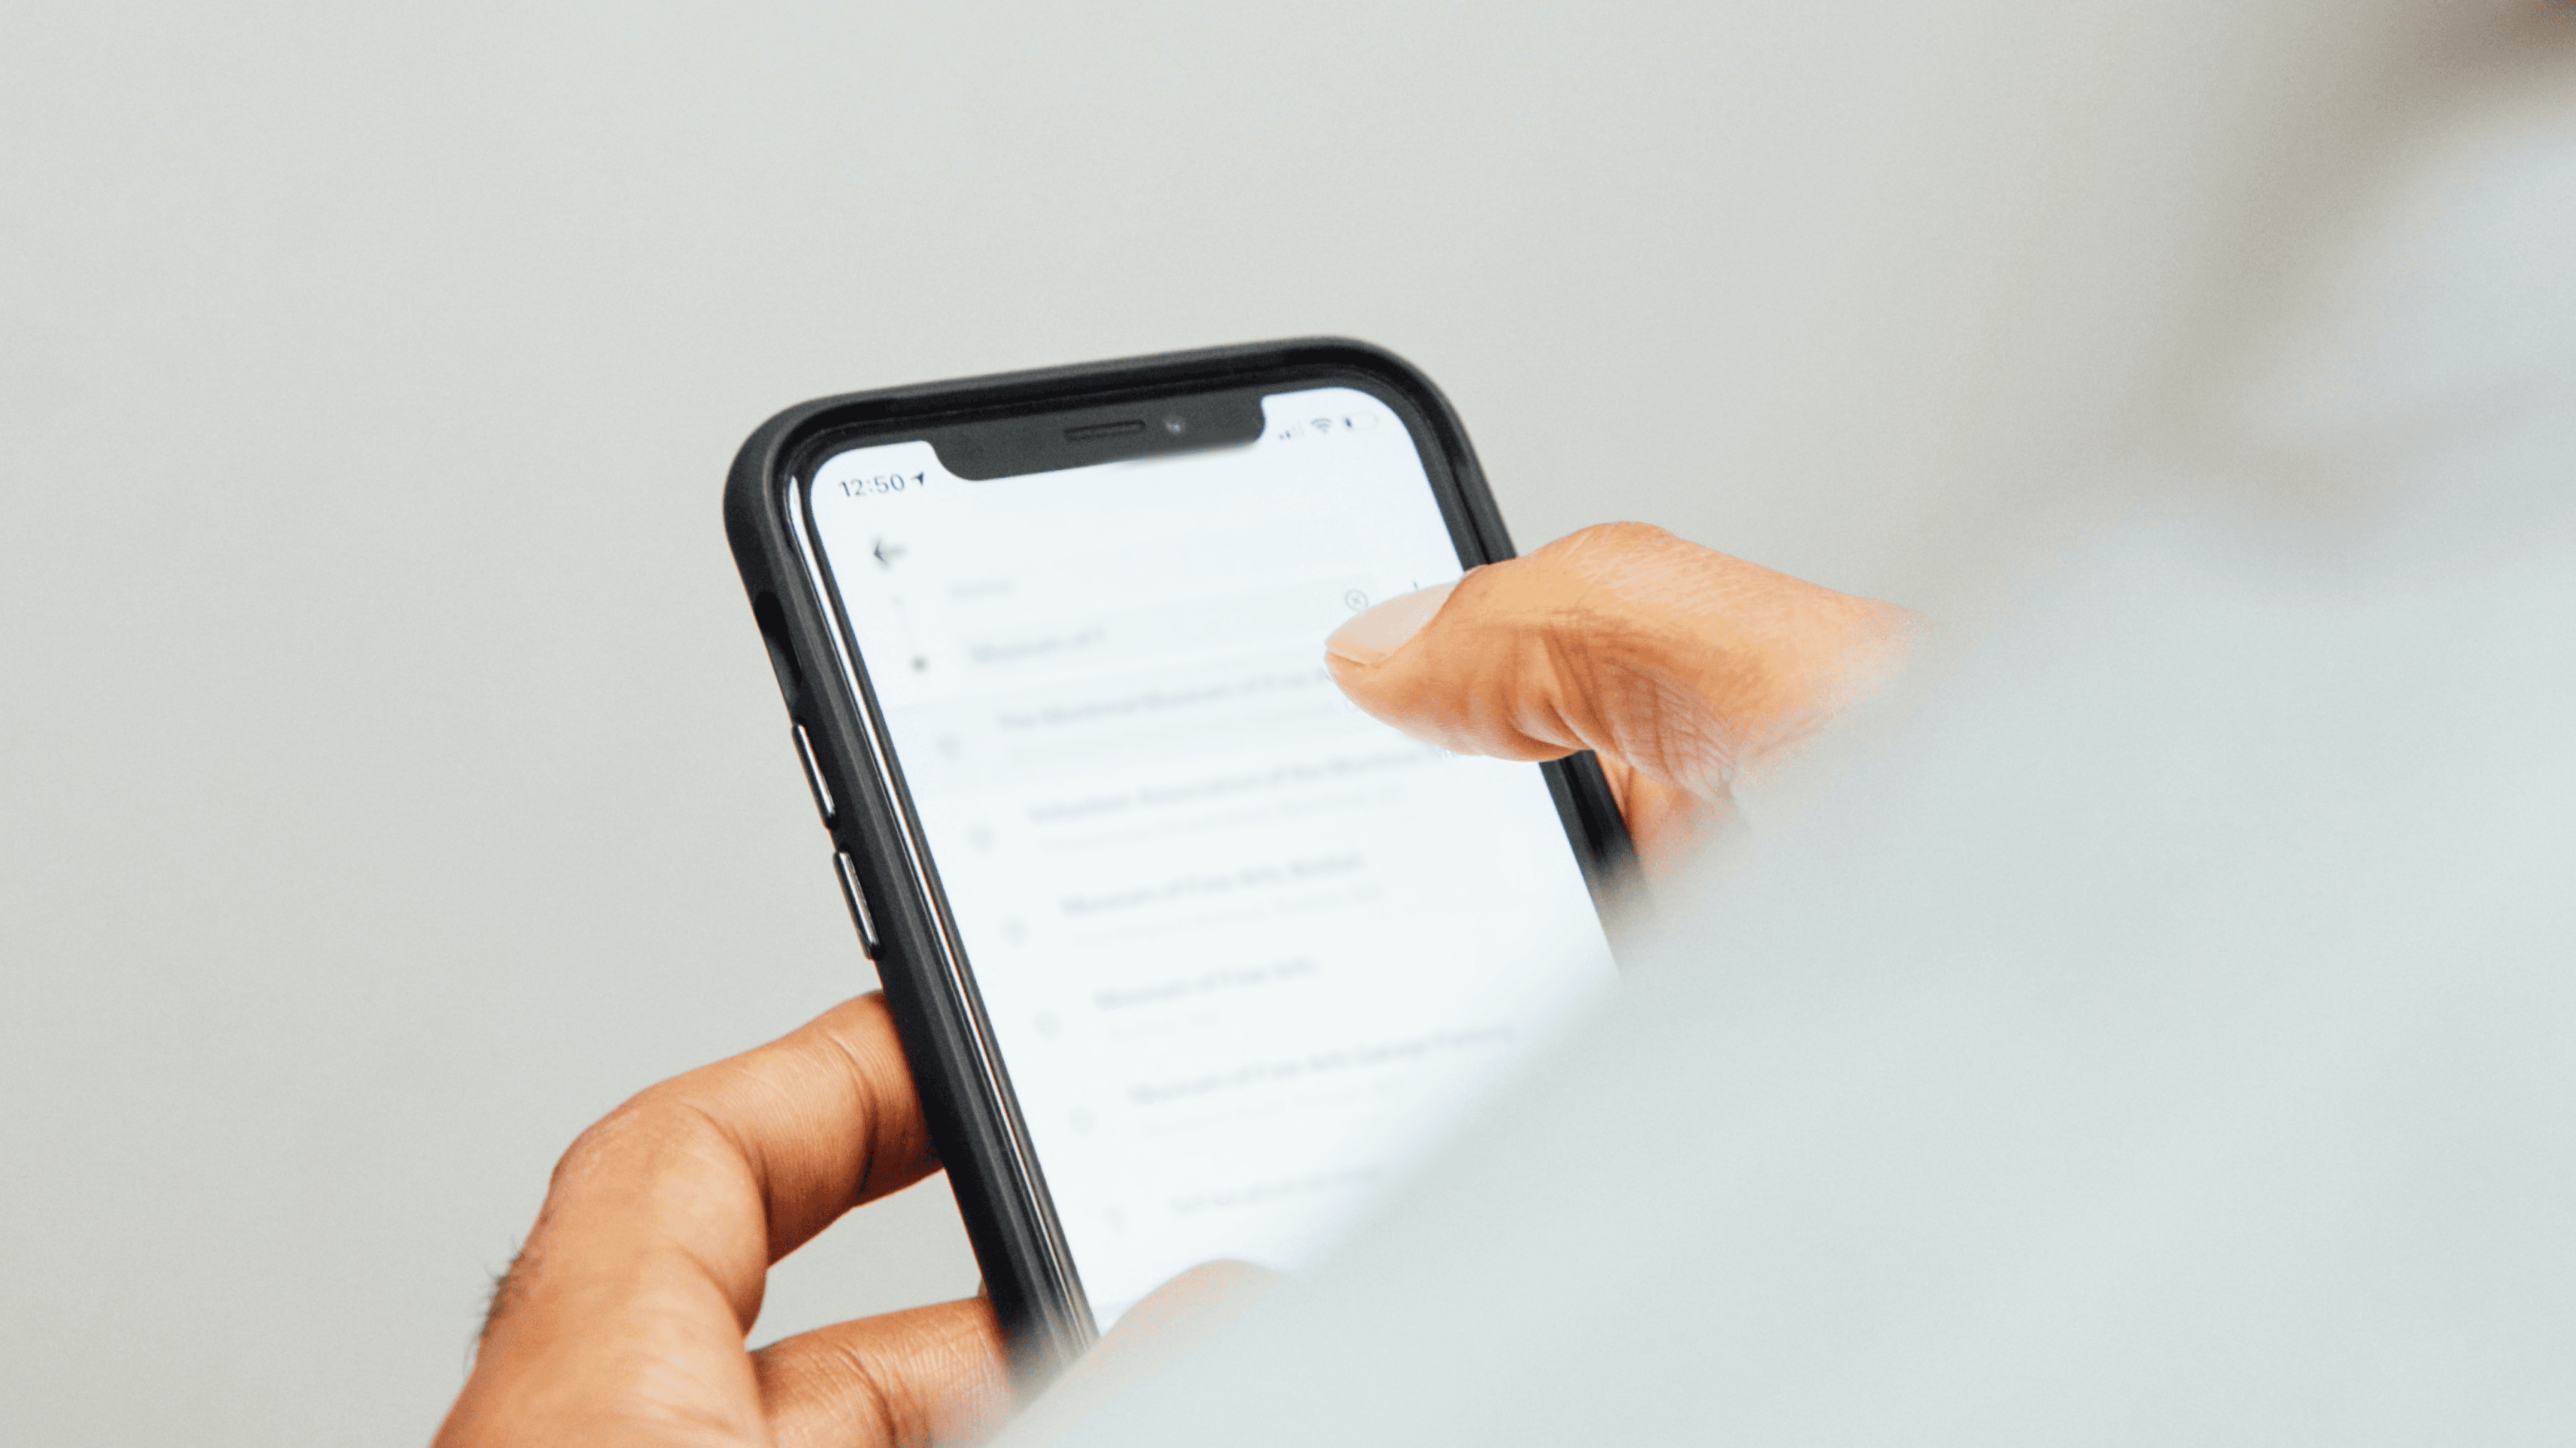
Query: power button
[[848, 870]]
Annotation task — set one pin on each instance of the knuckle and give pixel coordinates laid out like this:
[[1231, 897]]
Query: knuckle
[[648, 1122], [1609, 544], [1625, 534], [1613, 558]]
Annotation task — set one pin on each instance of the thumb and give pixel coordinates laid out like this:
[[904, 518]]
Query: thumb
[[1686, 666]]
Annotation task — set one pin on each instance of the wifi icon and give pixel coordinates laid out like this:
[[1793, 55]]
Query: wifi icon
[[1321, 424]]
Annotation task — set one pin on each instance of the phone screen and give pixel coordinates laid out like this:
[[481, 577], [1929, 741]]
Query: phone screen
[[1245, 951]]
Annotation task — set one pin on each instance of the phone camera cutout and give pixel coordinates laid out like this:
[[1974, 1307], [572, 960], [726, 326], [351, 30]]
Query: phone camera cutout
[[1176, 424]]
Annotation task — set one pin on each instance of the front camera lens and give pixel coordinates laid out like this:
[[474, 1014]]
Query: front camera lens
[[1175, 426]]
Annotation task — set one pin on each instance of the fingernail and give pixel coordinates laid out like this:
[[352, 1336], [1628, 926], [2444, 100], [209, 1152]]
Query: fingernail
[[1380, 631]]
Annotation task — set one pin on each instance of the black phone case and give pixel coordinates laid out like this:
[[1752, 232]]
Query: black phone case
[[975, 1128]]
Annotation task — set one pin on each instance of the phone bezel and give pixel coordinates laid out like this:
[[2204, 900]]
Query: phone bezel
[[930, 987]]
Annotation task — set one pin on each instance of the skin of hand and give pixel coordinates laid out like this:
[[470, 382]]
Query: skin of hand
[[623, 1319], [1686, 670]]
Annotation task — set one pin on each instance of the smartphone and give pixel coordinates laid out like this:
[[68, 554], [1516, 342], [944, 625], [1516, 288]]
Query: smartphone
[[1190, 958]]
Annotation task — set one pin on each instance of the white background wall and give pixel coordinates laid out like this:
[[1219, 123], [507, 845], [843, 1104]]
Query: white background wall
[[390, 780]]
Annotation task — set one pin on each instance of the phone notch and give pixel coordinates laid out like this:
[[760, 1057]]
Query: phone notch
[[1084, 436]]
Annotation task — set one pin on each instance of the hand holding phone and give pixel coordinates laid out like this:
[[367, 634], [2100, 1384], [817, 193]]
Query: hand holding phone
[[1191, 957], [629, 1304]]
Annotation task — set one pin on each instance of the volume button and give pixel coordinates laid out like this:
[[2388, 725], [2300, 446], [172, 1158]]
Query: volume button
[[848, 870], [814, 774]]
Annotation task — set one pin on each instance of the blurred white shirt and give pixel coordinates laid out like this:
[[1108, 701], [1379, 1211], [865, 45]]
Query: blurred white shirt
[[2166, 1033]]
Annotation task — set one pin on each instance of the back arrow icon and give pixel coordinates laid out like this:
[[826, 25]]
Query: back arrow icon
[[886, 554]]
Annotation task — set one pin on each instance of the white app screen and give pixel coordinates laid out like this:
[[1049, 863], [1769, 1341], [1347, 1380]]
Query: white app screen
[[1246, 951]]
